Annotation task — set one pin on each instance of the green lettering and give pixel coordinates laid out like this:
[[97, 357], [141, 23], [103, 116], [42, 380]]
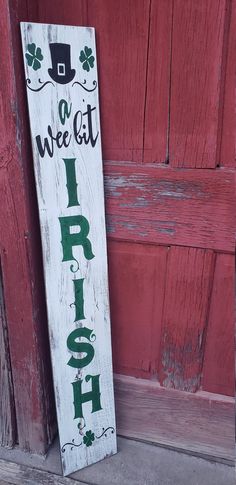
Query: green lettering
[[93, 395], [71, 181], [80, 347], [79, 299], [76, 239]]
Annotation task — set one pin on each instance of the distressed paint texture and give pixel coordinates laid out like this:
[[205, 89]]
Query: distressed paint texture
[[7, 406], [171, 206], [69, 183], [197, 48], [167, 86], [20, 253]]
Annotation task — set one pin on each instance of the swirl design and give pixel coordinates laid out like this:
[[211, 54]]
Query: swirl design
[[72, 444], [104, 431], [83, 86], [28, 82]]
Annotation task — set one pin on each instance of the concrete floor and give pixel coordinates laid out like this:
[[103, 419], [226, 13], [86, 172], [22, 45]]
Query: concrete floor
[[135, 464], [144, 464]]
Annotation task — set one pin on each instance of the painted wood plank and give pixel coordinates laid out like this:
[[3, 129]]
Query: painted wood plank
[[228, 148], [185, 313], [218, 370], [16, 474], [20, 251], [137, 280], [71, 12], [158, 82], [65, 132], [122, 41], [7, 409], [171, 206], [201, 423], [197, 44]]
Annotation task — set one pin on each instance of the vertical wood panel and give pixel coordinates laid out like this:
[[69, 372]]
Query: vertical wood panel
[[218, 369], [197, 44], [7, 409], [20, 249], [137, 280], [158, 79], [64, 12], [122, 39], [228, 147], [188, 285]]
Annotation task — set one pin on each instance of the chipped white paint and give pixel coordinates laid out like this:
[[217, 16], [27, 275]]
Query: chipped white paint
[[53, 75]]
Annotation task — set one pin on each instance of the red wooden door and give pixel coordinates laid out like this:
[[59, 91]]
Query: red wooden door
[[166, 70]]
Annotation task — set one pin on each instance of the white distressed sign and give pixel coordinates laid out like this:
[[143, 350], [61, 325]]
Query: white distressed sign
[[62, 89]]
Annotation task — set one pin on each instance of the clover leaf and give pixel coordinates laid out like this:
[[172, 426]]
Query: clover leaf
[[87, 59], [88, 438], [34, 56]]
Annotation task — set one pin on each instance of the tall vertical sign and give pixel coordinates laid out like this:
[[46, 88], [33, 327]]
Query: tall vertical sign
[[62, 91]]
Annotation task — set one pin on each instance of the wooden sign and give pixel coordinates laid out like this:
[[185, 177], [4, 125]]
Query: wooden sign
[[62, 90]]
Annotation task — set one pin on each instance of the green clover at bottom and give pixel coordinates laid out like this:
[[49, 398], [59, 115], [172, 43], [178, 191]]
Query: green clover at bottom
[[88, 438]]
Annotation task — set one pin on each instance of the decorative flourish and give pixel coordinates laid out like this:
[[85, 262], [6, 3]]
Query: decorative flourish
[[83, 86], [74, 268], [104, 431], [87, 59], [72, 445], [81, 425], [34, 56], [28, 82], [89, 438]]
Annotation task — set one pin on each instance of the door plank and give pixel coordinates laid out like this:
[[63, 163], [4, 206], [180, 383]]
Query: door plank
[[188, 288], [20, 250], [158, 80], [197, 44], [7, 409], [218, 369], [171, 206], [228, 147], [122, 42], [70, 12], [201, 424], [137, 279]]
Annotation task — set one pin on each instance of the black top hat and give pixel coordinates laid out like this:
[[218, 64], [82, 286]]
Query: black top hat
[[61, 71]]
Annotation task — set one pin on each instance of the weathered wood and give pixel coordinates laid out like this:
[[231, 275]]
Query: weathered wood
[[171, 206], [65, 131], [122, 39], [218, 370], [158, 82], [137, 278], [228, 144], [201, 423], [197, 43], [71, 12], [7, 408], [20, 474], [185, 313], [20, 251]]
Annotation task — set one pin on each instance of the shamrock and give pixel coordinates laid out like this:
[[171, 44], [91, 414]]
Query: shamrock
[[88, 438], [86, 58], [33, 56]]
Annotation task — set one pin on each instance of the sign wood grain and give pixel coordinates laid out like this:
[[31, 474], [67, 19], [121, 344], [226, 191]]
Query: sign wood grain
[[62, 90]]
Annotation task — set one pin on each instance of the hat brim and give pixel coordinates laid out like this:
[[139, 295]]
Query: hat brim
[[61, 79]]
